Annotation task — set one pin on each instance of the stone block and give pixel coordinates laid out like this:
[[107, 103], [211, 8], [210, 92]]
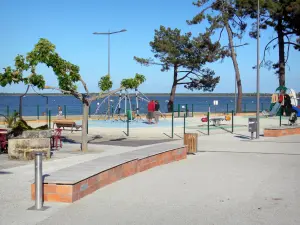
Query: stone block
[[24, 149]]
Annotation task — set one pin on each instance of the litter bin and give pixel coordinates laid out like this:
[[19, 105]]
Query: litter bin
[[252, 124], [191, 141]]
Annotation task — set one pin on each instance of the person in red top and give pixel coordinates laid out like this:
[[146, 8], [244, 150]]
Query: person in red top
[[151, 109]]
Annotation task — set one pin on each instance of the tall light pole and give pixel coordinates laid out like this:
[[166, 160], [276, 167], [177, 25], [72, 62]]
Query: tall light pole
[[257, 75], [108, 34]]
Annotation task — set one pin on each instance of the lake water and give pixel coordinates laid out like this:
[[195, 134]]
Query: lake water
[[33, 105]]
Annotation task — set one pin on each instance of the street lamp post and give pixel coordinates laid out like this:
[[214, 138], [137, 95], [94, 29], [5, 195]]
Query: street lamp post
[[257, 75], [108, 34]]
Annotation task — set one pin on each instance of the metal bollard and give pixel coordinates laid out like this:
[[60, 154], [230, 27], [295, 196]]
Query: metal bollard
[[38, 167], [38, 180]]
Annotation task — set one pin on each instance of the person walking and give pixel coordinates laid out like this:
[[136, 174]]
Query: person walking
[[156, 112], [151, 109], [60, 113]]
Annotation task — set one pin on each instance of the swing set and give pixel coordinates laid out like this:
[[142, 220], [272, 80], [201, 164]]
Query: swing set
[[130, 114]]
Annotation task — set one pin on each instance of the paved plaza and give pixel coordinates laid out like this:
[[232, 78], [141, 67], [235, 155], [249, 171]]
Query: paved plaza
[[231, 180]]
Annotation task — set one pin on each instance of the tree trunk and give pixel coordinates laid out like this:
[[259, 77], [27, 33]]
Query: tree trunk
[[173, 90], [281, 63], [84, 137], [236, 69]]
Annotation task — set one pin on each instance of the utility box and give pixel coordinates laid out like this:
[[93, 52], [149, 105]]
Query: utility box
[[252, 124]]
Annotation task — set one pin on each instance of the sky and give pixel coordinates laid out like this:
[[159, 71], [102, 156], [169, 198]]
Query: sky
[[69, 24]]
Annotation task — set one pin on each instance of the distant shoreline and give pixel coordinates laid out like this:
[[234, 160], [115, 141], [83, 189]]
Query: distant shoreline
[[153, 94]]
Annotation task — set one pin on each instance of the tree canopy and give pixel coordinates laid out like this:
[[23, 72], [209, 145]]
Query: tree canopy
[[222, 15], [67, 75], [284, 18], [44, 52], [176, 50]]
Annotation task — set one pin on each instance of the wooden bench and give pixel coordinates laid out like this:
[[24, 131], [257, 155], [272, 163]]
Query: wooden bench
[[73, 183], [66, 123]]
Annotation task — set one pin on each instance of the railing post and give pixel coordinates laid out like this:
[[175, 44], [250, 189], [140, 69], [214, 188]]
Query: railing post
[[49, 119], [208, 123], [178, 110], [15, 120], [262, 106], [173, 122], [7, 110], [227, 107], [184, 116], [232, 115], [280, 116], [89, 111], [186, 110], [65, 111], [192, 110], [38, 180], [87, 126], [38, 111], [127, 126]]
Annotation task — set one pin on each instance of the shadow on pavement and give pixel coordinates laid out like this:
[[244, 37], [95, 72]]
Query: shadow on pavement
[[263, 153], [5, 172]]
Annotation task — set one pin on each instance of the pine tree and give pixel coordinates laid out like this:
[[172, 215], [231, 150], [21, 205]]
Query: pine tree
[[221, 15], [187, 57]]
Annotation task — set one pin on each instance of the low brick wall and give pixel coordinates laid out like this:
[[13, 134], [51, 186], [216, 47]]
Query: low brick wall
[[282, 131], [72, 192]]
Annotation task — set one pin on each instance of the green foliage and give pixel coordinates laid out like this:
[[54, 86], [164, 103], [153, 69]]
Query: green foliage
[[43, 52], [10, 120], [133, 83], [219, 13], [181, 51], [281, 16], [21, 125], [105, 84]]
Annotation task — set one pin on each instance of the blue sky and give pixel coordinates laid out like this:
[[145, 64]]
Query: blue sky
[[70, 24]]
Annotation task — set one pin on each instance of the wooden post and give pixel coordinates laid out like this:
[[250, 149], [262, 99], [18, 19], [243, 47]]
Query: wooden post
[[191, 140]]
